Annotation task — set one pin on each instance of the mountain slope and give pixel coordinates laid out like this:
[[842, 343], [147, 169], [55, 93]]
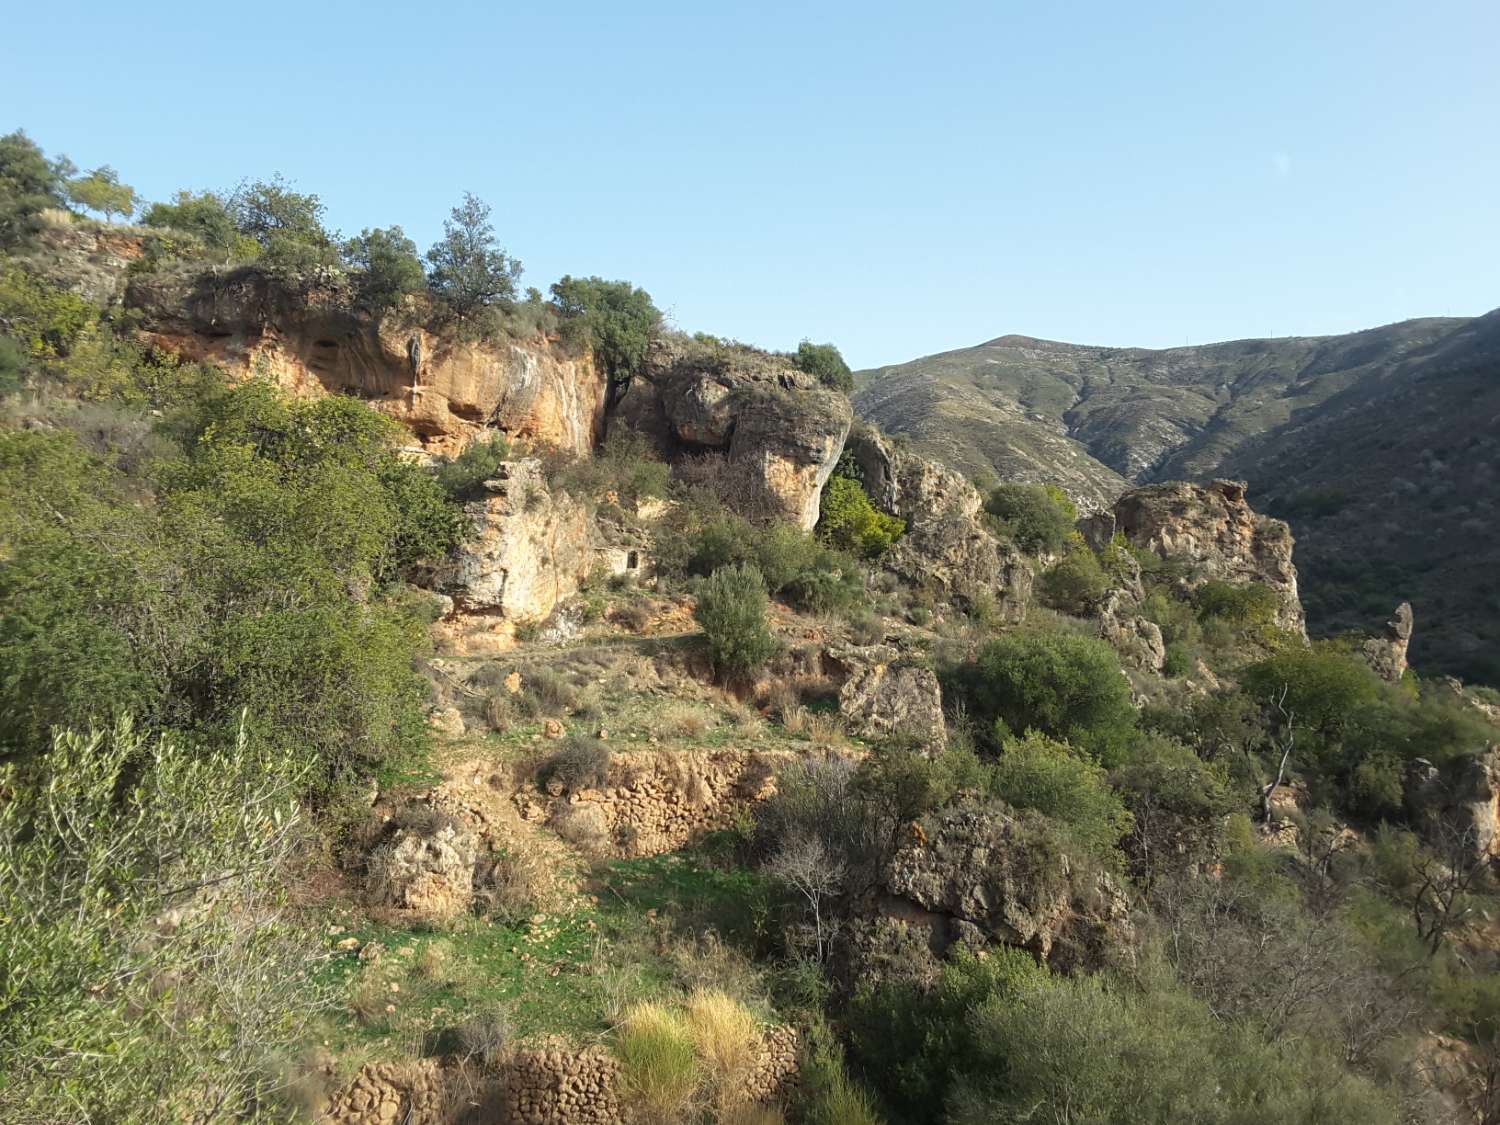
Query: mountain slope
[[1376, 445]]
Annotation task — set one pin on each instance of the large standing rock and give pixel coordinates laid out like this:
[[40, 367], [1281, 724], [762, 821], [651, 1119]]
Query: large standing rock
[[1457, 805], [427, 868], [1386, 654], [993, 877], [531, 549], [884, 695], [945, 543], [779, 430], [1213, 528], [1137, 640], [315, 340]]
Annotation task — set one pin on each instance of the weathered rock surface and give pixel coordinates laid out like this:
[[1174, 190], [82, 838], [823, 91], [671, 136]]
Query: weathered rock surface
[[977, 873], [390, 1093], [1138, 641], [1458, 805], [86, 258], [428, 871], [1386, 654], [774, 424], [945, 545], [1215, 529], [885, 695], [530, 550], [447, 391]]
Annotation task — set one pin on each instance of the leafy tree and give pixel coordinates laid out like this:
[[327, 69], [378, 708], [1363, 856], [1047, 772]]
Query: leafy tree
[[824, 362], [731, 610], [387, 266], [1252, 603], [28, 185], [1065, 686], [851, 523], [1321, 688], [1075, 582], [102, 191], [1177, 803], [207, 218], [1038, 517], [153, 967], [469, 270], [1041, 773], [286, 224], [617, 320]]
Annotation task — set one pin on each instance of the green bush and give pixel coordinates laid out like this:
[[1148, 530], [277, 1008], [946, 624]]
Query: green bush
[[1069, 687], [850, 522], [614, 319], [1176, 801], [1239, 605], [210, 226], [824, 362], [29, 184], [1037, 772], [1038, 517], [1075, 582], [387, 269], [149, 952], [1178, 661], [257, 568], [463, 477], [731, 610]]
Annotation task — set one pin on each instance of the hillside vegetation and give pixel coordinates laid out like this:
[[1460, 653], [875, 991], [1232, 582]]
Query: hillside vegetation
[[424, 701], [1372, 444]]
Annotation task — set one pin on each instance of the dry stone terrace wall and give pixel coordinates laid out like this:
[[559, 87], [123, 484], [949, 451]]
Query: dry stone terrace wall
[[657, 801], [551, 1083]]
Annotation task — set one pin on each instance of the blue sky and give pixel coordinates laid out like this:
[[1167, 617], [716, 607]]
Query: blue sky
[[900, 179]]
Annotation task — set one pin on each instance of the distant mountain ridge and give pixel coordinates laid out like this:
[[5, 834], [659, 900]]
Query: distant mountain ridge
[[1379, 446]]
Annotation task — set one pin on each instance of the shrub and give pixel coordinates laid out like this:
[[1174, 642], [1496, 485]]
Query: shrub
[[824, 362], [1068, 687], [1240, 605], [658, 1062], [1075, 582], [1038, 517], [828, 1095], [468, 269], [485, 1035], [851, 523], [1177, 803], [581, 764], [1178, 662], [207, 220], [29, 184], [549, 692], [129, 983], [500, 711], [1037, 772], [731, 610], [463, 477]]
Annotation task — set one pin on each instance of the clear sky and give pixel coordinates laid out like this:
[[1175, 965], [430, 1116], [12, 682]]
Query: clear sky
[[899, 179]]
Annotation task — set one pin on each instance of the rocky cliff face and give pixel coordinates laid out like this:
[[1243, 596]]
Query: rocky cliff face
[[246, 321], [1214, 528], [773, 424]]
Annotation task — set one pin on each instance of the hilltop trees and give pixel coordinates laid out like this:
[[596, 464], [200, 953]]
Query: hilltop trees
[[468, 269], [614, 318], [28, 184], [1038, 517], [102, 191], [387, 267], [825, 363]]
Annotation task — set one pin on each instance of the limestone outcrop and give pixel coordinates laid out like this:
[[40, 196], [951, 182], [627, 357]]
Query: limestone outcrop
[[885, 695], [426, 868], [977, 874], [1457, 807], [777, 428], [1137, 640], [946, 544], [530, 550], [315, 340], [1213, 528], [1386, 654]]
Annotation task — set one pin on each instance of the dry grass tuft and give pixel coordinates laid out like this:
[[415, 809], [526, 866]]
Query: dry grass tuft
[[658, 1062], [752, 1115], [435, 962], [727, 1040], [683, 720]]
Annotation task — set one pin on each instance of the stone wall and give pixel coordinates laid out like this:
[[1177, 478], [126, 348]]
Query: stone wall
[[657, 801]]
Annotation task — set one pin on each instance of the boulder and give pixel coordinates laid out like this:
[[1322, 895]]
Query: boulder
[[426, 868], [1213, 528], [885, 695], [1386, 654], [1138, 641]]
